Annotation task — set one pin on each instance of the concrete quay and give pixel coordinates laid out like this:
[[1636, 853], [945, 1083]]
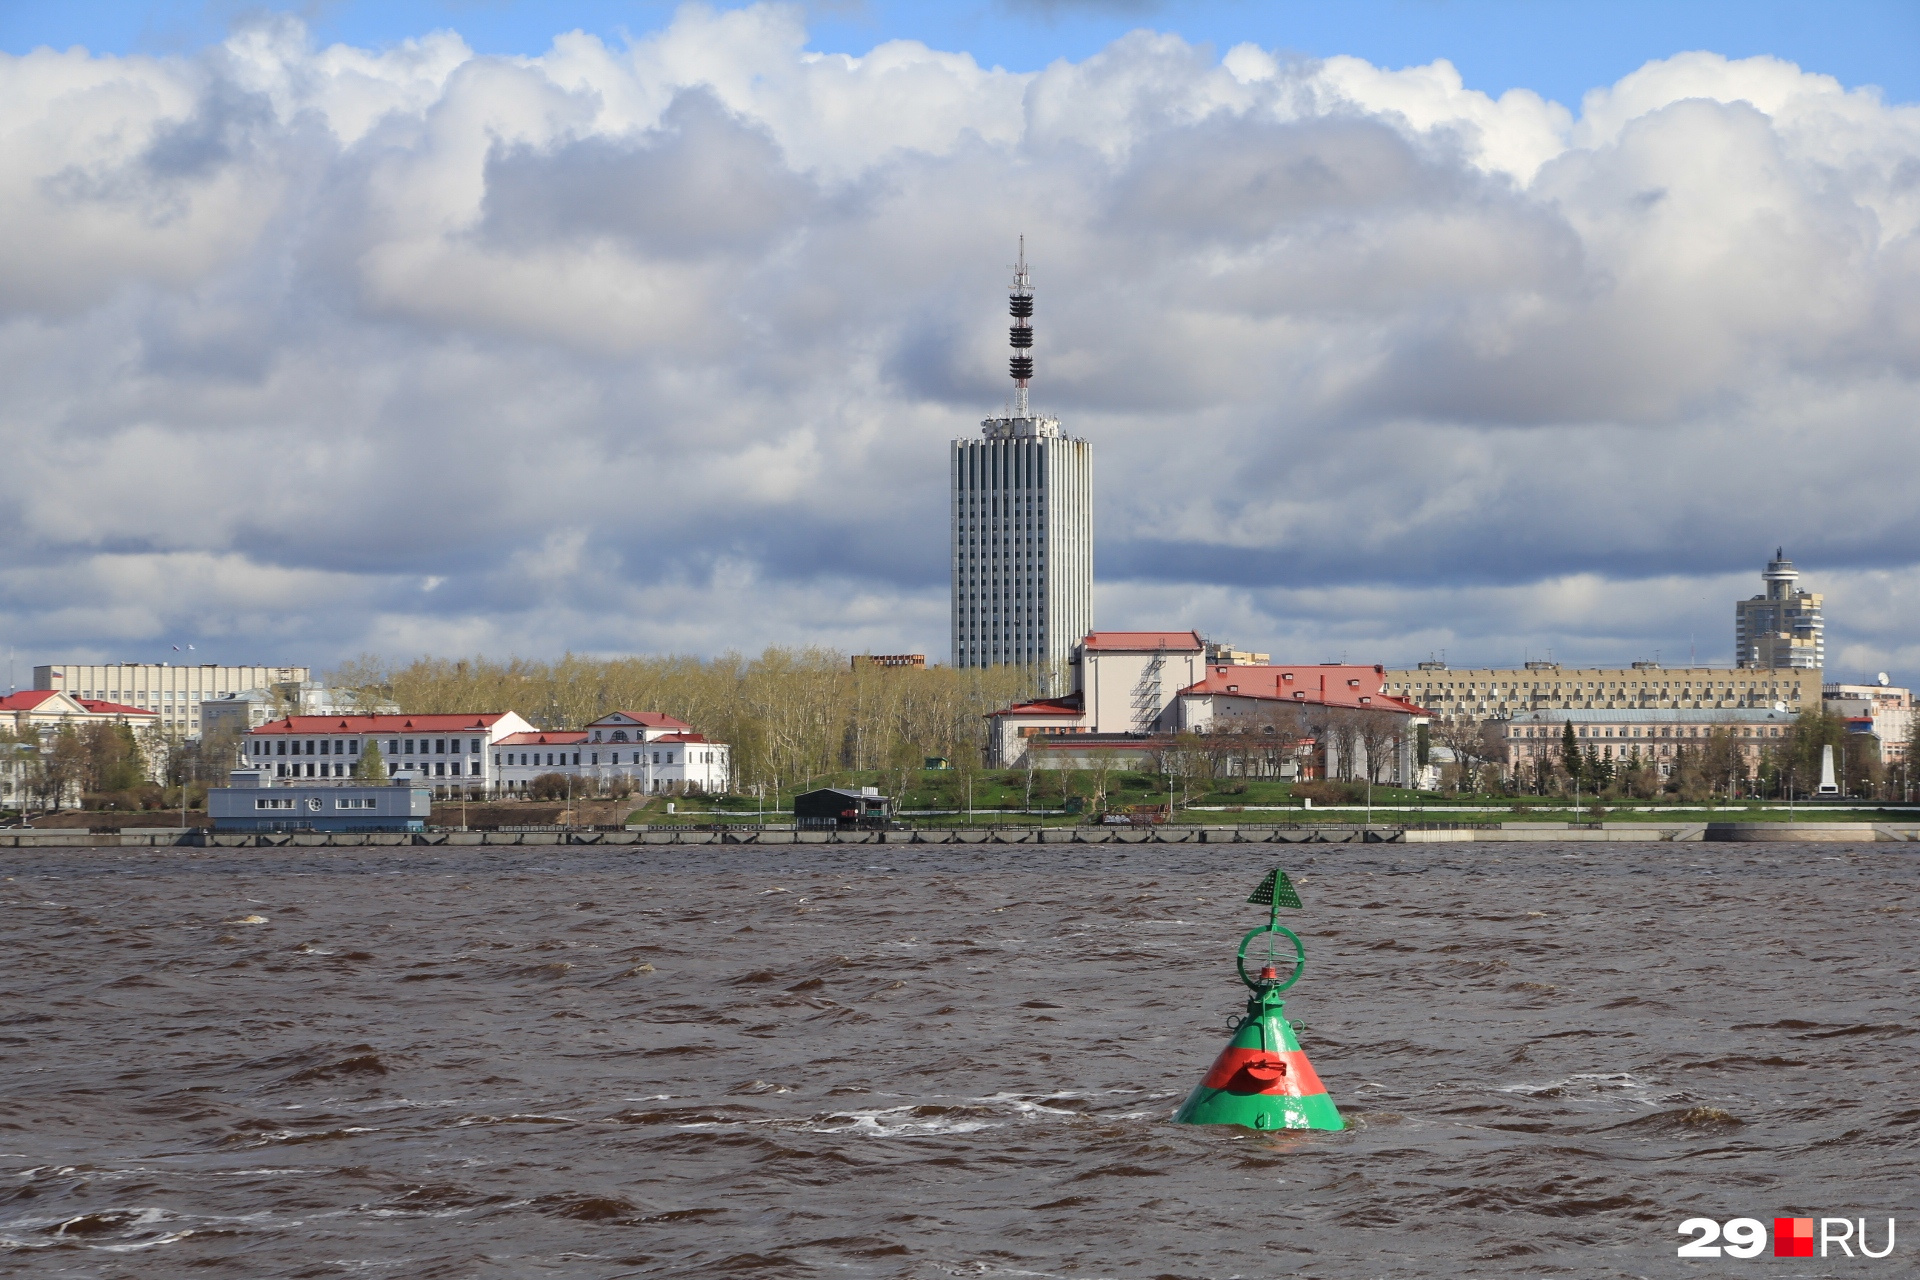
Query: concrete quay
[[1172, 833]]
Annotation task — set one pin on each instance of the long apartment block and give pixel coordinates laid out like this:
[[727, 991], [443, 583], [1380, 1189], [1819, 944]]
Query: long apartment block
[[1497, 693]]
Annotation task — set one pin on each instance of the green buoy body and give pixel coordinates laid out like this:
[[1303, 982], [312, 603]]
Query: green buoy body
[[1262, 1079]]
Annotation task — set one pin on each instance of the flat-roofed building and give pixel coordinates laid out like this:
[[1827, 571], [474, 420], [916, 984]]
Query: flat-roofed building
[[912, 661], [256, 800], [171, 692], [1021, 516], [1654, 737], [1500, 693], [1783, 627], [1884, 710]]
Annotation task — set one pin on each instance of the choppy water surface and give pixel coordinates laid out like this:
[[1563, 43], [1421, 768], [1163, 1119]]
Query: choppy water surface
[[941, 1061]]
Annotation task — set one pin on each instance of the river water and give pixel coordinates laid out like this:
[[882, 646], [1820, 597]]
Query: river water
[[943, 1061]]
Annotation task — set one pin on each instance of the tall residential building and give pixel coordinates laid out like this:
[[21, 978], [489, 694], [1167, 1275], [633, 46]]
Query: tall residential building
[[1022, 511], [174, 693], [1782, 630]]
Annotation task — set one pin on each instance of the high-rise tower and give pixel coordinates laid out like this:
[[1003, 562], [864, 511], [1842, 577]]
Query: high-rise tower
[[1783, 629], [1022, 526]]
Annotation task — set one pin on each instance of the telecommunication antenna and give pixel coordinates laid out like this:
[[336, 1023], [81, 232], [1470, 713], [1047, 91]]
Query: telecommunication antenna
[[1020, 335]]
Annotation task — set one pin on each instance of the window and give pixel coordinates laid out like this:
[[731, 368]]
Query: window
[[456, 768], [439, 746], [409, 750], [356, 803], [393, 746], [273, 803], [496, 759], [473, 747]]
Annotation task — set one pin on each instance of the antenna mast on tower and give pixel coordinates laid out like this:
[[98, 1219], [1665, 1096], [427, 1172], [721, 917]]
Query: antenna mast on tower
[[1020, 306]]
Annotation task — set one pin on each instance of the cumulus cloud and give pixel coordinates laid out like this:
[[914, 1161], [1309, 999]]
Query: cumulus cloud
[[658, 345]]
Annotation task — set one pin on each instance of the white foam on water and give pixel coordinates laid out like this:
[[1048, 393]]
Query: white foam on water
[[1597, 1085]]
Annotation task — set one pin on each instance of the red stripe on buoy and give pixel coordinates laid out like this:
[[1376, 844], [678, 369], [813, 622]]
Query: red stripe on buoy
[[1263, 1071]]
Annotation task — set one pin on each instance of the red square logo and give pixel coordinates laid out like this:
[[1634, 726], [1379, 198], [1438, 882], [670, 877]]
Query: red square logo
[[1793, 1237]]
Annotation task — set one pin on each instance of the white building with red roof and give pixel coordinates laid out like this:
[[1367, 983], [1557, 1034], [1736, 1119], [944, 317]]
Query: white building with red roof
[[519, 758], [645, 751], [1124, 682], [48, 709], [44, 712], [1132, 688], [497, 752], [452, 753]]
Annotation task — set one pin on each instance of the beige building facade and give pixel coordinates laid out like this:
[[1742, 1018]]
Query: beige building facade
[[1502, 693], [1784, 627], [1651, 737], [1887, 707], [173, 693]]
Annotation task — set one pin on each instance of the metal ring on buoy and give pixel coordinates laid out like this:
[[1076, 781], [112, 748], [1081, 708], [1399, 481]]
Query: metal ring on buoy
[[1263, 984]]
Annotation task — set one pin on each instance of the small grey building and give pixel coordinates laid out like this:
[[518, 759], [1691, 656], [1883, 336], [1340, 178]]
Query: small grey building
[[257, 801]]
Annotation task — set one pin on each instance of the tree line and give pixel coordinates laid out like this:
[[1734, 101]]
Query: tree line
[[791, 715]]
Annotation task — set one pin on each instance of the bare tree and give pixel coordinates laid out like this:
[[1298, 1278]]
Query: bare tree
[[1468, 741], [1263, 739], [1379, 734]]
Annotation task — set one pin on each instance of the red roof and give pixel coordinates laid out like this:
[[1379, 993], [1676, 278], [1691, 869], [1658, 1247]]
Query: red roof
[[678, 737], [651, 719], [1068, 706], [100, 708], [1143, 641], [29, 699], [555, 738], [463, 723], [1328, 685]]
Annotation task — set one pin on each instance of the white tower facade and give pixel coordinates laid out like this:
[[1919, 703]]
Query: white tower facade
[[1022, 513]]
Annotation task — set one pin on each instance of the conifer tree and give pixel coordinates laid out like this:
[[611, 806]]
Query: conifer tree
[[373, 765], [1570, 749]]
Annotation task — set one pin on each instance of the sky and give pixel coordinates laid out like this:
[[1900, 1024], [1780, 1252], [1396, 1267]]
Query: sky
[[1477, 330]]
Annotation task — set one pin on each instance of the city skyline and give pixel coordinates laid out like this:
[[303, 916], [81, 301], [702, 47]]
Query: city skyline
[[641, 345]]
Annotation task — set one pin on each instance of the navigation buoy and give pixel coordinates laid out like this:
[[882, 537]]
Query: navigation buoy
[[1262, 1079]]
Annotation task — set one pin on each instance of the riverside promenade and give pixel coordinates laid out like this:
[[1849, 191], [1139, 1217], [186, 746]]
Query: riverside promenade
[[1167, 833]]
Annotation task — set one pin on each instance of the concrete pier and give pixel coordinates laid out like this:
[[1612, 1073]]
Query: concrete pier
[[1169, 833]]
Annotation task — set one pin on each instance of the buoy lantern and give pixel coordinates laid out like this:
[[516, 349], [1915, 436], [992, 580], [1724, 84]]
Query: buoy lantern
[[1262, 1079]]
